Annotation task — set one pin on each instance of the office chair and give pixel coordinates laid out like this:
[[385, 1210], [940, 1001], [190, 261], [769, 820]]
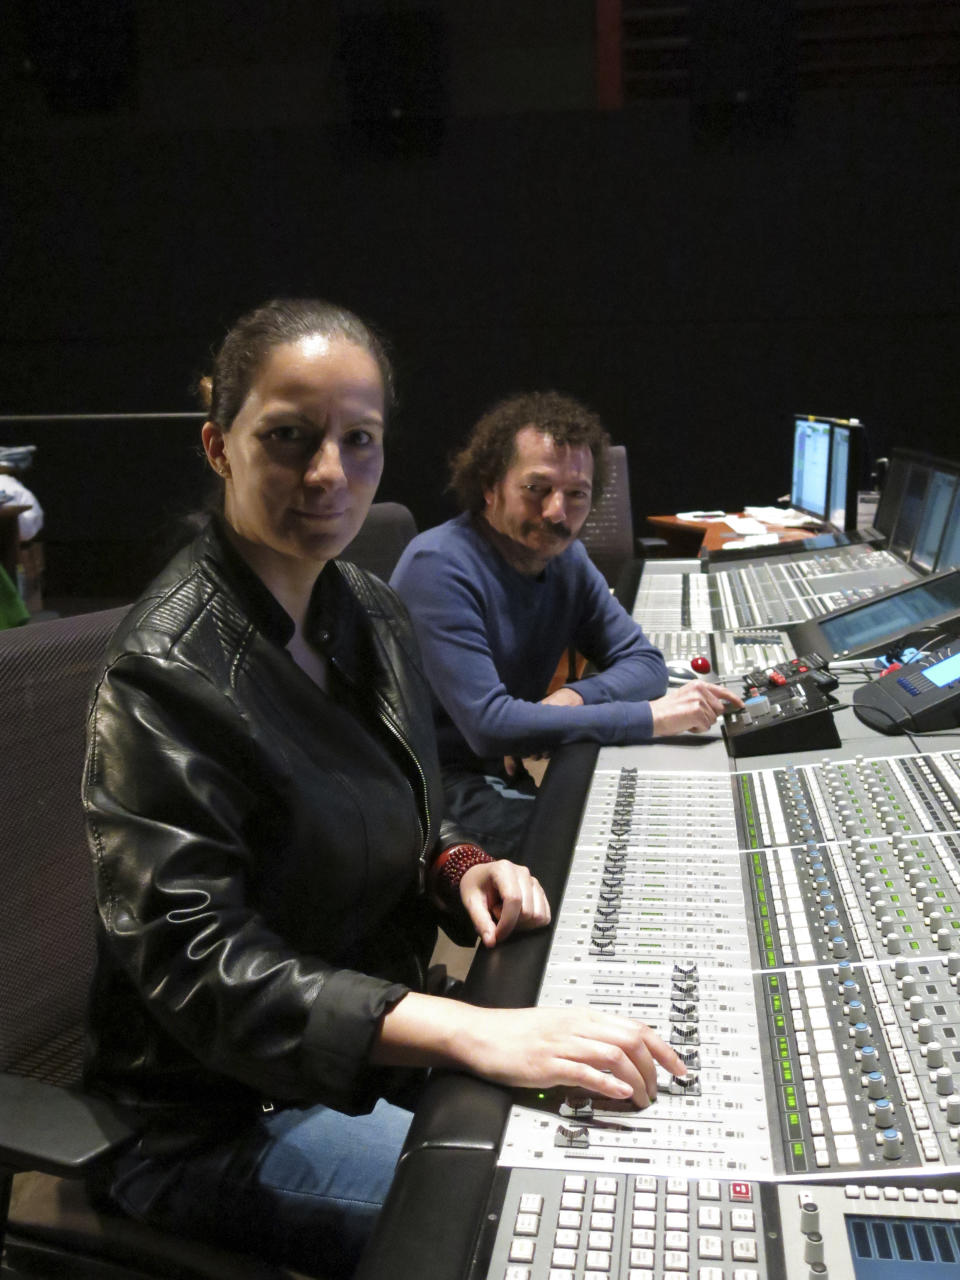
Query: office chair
[[388, 528], [49, 1129]]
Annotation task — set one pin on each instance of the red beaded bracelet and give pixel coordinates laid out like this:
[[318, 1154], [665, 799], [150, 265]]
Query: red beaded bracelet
[[451, 866]]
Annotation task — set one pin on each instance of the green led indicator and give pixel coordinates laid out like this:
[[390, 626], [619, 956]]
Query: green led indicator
[[787, 1073], [798, 1149]]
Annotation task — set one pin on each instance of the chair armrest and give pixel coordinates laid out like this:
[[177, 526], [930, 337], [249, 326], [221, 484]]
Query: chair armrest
[[54, 1130]]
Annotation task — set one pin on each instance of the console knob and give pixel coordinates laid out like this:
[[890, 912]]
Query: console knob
[[892, 1144], [915, 1008], [944, 940], [945, 1082], [887, 925], [908, 985], [861, 1033], [838, 945], [813, 1247], [901, 968], [935, 922], [876, 1085], [953, 1109], [893, 943], [883, 1113], [868, 1059], [924, 1030], [809, 1215], [849, 989], [855, 1010], [934, 1054], [927, 903], [953, 963]]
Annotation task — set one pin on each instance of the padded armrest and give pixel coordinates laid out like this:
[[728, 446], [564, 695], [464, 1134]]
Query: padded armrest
[[54, 1130]]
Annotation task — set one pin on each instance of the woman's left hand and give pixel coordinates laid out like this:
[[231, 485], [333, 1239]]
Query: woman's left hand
[[503, 896]]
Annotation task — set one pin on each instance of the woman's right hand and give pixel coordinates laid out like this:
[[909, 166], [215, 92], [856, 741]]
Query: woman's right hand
[[598, 1053], [601, 1054]]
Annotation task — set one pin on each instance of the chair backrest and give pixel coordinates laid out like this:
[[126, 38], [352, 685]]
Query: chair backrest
[[608, 531], [47, 671], [388, 528]]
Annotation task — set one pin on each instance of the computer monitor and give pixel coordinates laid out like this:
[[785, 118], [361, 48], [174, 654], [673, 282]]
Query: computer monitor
[[827, 456]]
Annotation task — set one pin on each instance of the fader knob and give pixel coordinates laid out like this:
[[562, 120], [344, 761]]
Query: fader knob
[[892, 1144], [934, 1054], [945, 1082], [813, 1247], [809, 1215]]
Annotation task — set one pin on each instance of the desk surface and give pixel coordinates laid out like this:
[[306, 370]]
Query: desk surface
[[715, 533]]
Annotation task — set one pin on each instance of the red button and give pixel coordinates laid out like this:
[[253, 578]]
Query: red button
[[741, 1191], [803, 668], [777, 678]]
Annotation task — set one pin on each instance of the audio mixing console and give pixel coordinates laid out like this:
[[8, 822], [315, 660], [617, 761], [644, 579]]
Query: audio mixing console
[[767, 594], [795, 933]]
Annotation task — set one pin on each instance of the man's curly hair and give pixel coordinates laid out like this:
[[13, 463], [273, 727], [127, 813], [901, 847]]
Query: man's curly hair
[[490, 449]]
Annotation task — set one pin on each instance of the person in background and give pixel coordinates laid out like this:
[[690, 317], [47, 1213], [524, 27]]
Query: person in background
[[270, 851], [500, 593]]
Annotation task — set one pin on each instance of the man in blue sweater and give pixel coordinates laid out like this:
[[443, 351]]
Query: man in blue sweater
[[497, 597]]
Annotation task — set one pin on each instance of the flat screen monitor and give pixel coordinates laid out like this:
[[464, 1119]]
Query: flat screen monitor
[[933, 520], [827, 456], [811, 466], [911, 509], [888, 508], [949, 554]]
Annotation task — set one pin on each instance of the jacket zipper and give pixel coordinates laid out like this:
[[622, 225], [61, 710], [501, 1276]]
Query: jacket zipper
[[397, 732]]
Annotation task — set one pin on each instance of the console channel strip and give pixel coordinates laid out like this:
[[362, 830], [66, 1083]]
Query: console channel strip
[[730, 653], [795, 934]]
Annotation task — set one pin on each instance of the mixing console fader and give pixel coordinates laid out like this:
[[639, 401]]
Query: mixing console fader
[[795, 934]]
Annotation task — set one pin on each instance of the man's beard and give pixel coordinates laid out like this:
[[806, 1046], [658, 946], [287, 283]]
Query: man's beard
[[557, 530]]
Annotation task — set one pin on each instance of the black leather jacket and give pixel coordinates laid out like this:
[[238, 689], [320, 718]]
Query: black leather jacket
[[259, 845]]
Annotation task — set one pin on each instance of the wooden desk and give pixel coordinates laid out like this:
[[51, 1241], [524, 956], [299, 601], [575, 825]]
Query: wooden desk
[[696, 537]]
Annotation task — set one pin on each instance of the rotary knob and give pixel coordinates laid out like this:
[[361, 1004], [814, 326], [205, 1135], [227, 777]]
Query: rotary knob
[[901, 968], [908, 986], [924, 1030], [892, 1143], [861, 1034], [849, 989], [883, 1113], [944, 1082], [855, 1011], [935, 922], [868, 1059], [876, 1085], [953, 963], [915, 1008], [838, 945], [813, 1247], [944, 939], [952, 1108], [894, 943], [934, 1054]]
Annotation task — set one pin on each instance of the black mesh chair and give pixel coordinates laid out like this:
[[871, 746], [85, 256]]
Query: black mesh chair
[[607, 533], [388, 528], [50, 1132]]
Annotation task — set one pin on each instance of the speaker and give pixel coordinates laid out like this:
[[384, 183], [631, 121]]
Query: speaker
[[83, 54], [743, 66], [394, 67]]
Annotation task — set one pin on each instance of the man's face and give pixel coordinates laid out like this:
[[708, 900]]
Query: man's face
[[543, 499]]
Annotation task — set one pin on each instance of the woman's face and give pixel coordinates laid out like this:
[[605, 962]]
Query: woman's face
[[304, 455]]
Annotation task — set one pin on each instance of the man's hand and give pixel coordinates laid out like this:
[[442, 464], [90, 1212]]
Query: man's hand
[[562, 697], [692, 707], [503, 896]]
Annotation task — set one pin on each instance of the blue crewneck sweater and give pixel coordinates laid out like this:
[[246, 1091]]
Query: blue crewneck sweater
[[492, 639]]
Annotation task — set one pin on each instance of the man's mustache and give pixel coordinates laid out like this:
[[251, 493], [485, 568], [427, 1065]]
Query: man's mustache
[[554, 529]]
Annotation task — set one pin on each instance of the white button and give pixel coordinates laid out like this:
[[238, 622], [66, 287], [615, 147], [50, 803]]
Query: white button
[[517, 1273], [521, 1250], [607, 1204], [710, 1273], [598, 1261], [563, 1258], [891, 1193], [852, 1193], [567, 1239], [709, 1216], [643, 1239], [574, 1182], [566, 1218], [571, 1200], [742, 1220], [746, 1273], [644, 1200], [678, 1186], [676, 1262], [931, 1195], [871, 1193], [708, 1189], [642, 1257], [528, 1224], [643, 1218], [640, 1273], [646, 1182], [561, 1273], [911, 1193], [950, 1196], [600, 1240], [602, 1221], [677, 1221], [678, 1203], [676, 1240], [608, 1185], [710, 1247], [530, 1202], [744, 1250]]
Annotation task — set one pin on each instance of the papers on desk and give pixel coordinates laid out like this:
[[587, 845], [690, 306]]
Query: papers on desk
[[745, 524], [703, 517], [786, 517], [753, 540]]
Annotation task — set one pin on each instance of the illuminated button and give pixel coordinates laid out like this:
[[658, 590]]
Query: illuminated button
[[741, 1191]]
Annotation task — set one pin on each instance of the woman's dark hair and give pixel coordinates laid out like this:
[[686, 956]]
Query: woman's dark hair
[[247, 345], [491, 447]]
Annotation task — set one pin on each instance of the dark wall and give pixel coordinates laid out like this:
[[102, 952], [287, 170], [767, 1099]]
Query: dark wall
[[697, 295]]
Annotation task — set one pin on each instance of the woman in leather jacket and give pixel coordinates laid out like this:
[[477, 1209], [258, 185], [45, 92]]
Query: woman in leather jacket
[[270, 856]]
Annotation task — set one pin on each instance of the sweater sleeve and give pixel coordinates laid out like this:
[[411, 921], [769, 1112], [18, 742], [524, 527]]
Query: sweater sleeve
[[448, 607], [169, 792]]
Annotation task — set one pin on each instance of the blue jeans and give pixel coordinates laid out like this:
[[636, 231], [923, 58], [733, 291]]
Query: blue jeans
[[299, 1187], [492, 811]]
